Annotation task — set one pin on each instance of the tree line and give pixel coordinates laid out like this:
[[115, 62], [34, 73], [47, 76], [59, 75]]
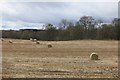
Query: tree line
[[85, 28]]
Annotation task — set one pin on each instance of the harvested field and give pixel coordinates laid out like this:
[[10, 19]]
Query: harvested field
[[66, 59]]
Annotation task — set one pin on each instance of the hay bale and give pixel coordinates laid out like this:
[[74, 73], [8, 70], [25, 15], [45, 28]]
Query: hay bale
[[10, 41], [31, 39], [49, 46], [37, 42], [94, 56], [34, 40], [2, 39]]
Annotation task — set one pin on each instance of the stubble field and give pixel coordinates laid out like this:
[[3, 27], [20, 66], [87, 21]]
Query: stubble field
[[66, 59]]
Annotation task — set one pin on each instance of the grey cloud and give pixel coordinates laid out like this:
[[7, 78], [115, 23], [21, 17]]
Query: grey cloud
[[53, 12]]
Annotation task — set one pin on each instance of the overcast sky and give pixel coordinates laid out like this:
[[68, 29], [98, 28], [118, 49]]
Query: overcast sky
[[19, 15]]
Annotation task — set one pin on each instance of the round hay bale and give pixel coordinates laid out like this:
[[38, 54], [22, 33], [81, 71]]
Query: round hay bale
[[49, 46], [2, 39], [34, 40], [94, 56], [37, 42], [10, 41], [31, 39]]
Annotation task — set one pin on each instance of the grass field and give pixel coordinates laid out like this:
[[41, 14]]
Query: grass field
[[66, 59]]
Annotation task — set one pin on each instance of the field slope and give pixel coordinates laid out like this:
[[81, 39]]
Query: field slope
[[66, 59]]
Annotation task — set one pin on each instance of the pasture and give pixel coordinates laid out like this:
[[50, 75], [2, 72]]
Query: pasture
[[65, 59]]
